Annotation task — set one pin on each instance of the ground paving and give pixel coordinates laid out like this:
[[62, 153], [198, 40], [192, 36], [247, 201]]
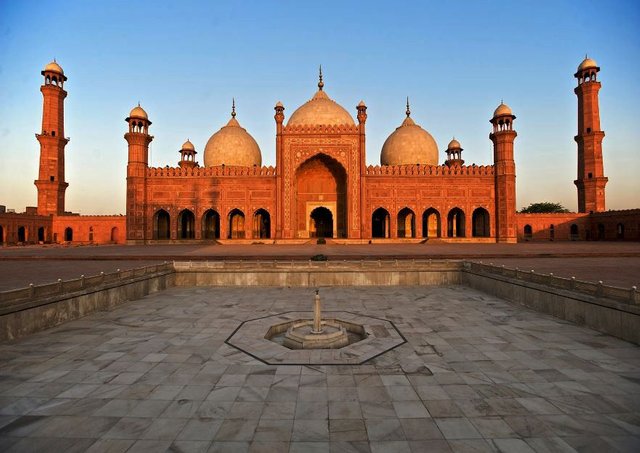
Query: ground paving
[[615, 263], [476, 374]]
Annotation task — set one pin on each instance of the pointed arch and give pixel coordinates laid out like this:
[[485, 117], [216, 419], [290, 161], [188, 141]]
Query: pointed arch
[[574, 233], [236, 224], [480, 225], [456, 223], [22, 234], [528, 232], [431, 224], [211, 224], [406, 223], [186, 224], [380, 223], [261, 224], [115, 233], [161, 225], [41, 234], [320, 181]]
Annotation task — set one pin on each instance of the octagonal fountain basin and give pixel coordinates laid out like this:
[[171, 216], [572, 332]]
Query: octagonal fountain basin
[[300, 334]]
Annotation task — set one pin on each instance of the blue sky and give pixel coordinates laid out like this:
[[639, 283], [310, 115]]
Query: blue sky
[[184, 61]]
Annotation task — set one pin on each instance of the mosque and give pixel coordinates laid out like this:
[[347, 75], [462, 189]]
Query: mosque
[[321, 185]]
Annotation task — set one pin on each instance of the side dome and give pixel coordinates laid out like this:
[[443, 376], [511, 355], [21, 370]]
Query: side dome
[[232, 145], [409, 144], [321, 110]]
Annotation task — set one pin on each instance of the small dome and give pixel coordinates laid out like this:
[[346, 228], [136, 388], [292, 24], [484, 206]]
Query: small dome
[[503, 109], [587, 63], [138, 112], [232, 145], [454, 144], [188, 146], [409, 144], [54, 67], [320, 110], [279, 104]]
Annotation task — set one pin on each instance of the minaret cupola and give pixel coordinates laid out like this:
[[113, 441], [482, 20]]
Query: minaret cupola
[[454, 153], [188, 155]]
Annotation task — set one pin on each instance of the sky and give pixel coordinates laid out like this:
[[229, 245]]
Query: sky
[[184, 61]]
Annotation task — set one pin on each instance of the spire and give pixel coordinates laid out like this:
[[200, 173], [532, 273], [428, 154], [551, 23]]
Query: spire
[[408, 112], [233, 107], [320, 82]]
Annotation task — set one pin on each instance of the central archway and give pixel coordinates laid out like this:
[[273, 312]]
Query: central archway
[[321, 182], [321, 223]]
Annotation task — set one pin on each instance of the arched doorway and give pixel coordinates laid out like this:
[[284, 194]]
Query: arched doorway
[[22, 234], [320, 182], [455, 223], [236, 224], [380, 223], [186, 224], [620, 231], [573, 232], [90, 234], [321, 223], [161, 225], [68, 234], [211, 225], [1, 235], [114, 235], [431, 223], [528, 232], [261, 224], [601, 232], [406, 223], [40, 234], [480, 225]]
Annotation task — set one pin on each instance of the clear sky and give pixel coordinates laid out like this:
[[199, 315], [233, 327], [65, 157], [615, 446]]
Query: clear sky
[[184, 61]]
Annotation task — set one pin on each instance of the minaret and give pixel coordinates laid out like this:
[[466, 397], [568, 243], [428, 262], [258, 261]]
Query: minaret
[[591, 180], [454, 154], [279, 117], [138, 139], [50, 183], [187, 155], [503, 137]]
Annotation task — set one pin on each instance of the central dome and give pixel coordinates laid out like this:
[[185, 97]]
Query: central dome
[[232, 145], [320, 110], [409, 144]]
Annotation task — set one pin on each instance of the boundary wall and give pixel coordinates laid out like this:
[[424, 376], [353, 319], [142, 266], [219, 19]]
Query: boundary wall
[[611, 310]]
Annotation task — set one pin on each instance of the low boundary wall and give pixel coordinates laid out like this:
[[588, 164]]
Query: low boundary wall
[[35, 308], [314, 273], [611, 310]]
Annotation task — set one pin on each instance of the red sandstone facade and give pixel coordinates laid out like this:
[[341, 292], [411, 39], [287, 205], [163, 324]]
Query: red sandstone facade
[[321, 185]]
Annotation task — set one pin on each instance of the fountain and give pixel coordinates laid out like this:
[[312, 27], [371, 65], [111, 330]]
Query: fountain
[[316, 333]]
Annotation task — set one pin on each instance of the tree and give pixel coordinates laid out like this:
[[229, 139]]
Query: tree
[[544, 207]]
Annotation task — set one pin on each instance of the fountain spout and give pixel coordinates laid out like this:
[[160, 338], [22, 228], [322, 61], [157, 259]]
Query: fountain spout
[[317, 318]]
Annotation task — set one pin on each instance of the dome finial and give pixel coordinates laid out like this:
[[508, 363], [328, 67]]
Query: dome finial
[[320, 82], [233, 107], [408, 112]]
